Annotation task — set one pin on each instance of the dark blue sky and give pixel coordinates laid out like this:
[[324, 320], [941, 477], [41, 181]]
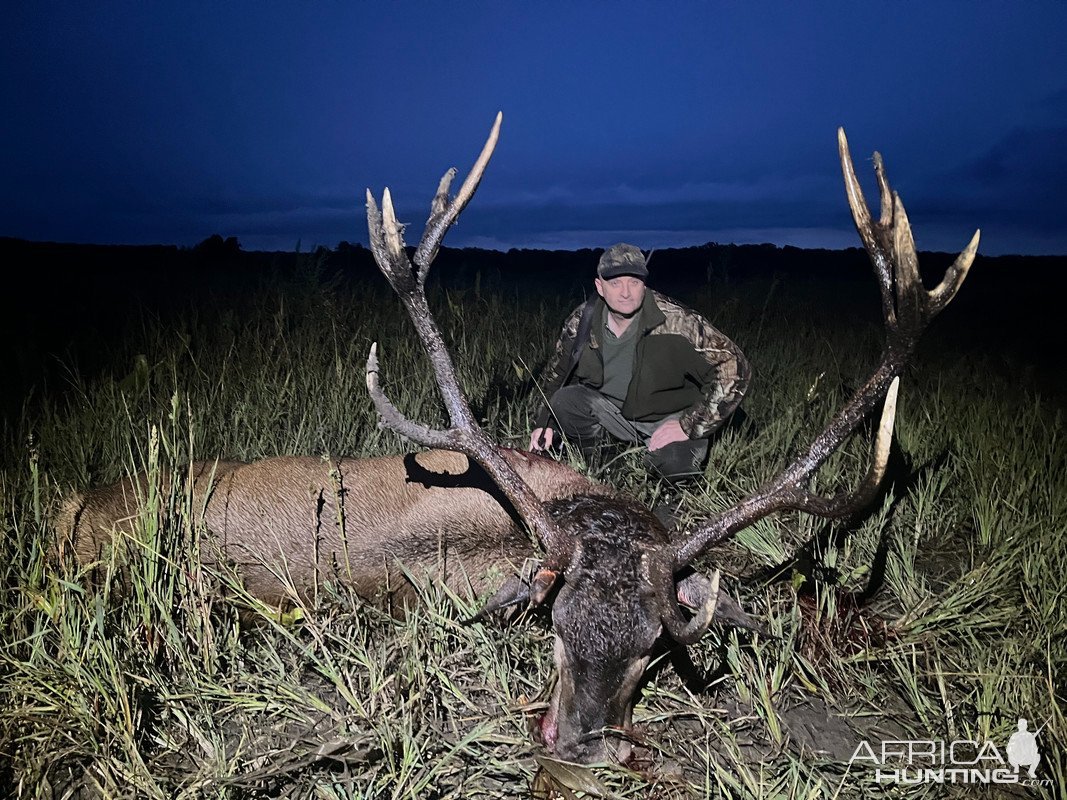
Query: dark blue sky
[[659, 123]]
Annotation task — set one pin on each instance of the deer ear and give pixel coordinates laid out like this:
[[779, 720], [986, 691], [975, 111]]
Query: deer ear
[[541, 585], [514, 592], [693, 591]]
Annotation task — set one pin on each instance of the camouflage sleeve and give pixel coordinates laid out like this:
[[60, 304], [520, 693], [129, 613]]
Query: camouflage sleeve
[[726, 378], [552, 377]]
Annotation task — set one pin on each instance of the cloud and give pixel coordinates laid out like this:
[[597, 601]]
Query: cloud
[[1012, 191]]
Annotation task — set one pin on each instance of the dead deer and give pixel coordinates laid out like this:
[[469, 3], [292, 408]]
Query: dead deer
[[615, 580], [609, 567]]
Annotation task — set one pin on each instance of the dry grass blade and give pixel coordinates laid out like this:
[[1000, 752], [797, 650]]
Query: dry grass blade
[[556, 775]]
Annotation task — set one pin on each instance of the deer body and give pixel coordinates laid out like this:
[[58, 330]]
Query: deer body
[[434, 514]]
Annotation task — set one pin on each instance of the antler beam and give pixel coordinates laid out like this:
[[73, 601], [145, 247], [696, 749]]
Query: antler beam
[[464, 435]]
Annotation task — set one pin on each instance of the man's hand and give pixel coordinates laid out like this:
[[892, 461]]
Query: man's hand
[[667, 433], [537, 443]]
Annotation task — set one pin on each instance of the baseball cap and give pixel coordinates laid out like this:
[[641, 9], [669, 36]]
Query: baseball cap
[[622, 259]]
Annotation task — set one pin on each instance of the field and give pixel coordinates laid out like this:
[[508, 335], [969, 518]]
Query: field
[[940, 614]]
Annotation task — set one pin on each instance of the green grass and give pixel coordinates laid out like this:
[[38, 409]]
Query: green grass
[[167, 680]]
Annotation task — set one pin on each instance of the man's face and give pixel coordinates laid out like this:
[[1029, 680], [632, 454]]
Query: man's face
[[623, 295]]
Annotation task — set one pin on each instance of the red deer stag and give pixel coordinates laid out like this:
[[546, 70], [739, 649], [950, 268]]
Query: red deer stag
[[615, 579]]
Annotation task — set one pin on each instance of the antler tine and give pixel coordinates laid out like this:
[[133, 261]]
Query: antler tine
[[942, 294], [443, 213], [911, 297], [388, 245], [885, 194], [427, 250], [907, 309], [392, 418], [841, 506], [392, 231], [464, 435], [440, 199], [861, 216]]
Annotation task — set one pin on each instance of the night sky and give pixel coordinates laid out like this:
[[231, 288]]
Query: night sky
[[658, 123]]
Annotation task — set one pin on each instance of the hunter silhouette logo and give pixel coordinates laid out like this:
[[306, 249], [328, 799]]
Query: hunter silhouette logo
[[1022, 749]]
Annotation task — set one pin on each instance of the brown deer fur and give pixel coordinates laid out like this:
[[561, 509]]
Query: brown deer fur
[[432, 513]]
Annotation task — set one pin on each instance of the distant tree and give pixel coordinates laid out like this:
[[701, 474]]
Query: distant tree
[[215, 246]]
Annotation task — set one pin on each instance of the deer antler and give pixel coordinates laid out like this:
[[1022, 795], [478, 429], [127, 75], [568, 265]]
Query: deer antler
[[464, 435], [907, 309]]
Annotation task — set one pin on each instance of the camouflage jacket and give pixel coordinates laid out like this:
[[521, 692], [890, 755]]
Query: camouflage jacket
[[682, 363]]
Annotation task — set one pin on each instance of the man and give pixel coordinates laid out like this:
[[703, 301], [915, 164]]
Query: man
[[640, 367]]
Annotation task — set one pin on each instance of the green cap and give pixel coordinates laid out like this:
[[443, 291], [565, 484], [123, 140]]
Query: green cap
[[622, 259]]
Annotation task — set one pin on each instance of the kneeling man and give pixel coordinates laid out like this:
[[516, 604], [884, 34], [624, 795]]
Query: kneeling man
[[639, 367]]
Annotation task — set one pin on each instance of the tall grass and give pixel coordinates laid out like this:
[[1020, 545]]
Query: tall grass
[[939, 614]]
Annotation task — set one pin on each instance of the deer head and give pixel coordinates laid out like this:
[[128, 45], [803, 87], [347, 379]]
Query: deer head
[[609, 567]]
